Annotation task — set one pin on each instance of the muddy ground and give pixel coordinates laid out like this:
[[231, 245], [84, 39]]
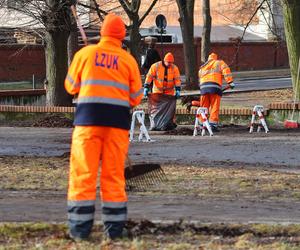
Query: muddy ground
[[212, 198], [232, 178]]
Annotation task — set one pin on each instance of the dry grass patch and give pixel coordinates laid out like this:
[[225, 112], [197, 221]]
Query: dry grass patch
[[30, 173], [153, 236], [231, 182], [36, 173]]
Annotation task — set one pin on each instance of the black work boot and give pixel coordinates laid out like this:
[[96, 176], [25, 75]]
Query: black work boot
[[215, 129], [115, 231]]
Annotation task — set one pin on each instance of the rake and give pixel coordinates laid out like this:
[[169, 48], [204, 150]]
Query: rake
[[140, 177], [81, 30]]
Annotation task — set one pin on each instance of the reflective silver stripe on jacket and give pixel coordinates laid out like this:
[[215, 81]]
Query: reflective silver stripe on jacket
[[117, 217], [210, 71], [106, 83], [224, 66], [135, 95], [80, 217], [83, 203], [162, 80], [105, 100], [157, 65], [111, 204], [74, 84], [149, 77], [228, 75], [203, 86]]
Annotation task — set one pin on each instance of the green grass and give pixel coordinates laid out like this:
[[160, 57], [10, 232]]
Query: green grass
[[19, 85]]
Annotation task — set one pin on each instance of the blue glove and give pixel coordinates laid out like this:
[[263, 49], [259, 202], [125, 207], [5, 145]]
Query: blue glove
[[177, 94], [146, 90], [232, 85]]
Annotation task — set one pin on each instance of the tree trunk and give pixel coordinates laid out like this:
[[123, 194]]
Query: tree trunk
[[186, 20], [72, 45], [135, 39], [57, 19], [56, 68], [205, 42], [291, 13]]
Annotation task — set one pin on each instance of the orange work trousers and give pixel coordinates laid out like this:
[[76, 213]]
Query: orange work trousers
[[212, 103], [89, 145]]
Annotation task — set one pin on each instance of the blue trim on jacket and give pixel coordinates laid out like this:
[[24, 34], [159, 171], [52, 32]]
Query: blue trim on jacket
[[215, 88], [101, 114]]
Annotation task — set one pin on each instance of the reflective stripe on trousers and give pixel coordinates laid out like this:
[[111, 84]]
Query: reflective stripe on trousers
[[81, 217], [89, 144]]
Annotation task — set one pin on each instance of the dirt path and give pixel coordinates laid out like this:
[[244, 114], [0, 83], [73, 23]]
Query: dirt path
[[28, 206], [232, 144], [277, 150]]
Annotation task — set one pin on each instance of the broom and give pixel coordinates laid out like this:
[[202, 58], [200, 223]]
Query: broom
[[142, 176], [291, 123]]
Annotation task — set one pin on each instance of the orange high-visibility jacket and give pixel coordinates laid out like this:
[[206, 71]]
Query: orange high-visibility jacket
[[161, 84], [108, 83], [210, 76]]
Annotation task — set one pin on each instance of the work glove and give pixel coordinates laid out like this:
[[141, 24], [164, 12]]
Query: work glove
[[177, 92], [232, 85], [146, 91]]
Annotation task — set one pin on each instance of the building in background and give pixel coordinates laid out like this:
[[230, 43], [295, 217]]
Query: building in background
[[229, 18], [21, 28]]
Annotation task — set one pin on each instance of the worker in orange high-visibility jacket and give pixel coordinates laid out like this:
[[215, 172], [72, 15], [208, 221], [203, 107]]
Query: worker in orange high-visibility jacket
[[108, 83], [211, 75], [165, 76]]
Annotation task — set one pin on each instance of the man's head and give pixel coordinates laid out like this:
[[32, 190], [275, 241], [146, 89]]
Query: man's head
[[113, 26], [150, 41], [213, 56], [168, 59]]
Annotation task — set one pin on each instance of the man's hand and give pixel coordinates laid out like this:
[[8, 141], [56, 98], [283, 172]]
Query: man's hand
[[232, 85], [146, 91]]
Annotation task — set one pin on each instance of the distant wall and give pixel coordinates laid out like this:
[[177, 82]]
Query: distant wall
[[246, 56], [20, 63], [253, 55]]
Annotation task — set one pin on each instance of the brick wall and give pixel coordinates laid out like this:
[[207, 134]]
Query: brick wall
[[20, 63], [246, 56]]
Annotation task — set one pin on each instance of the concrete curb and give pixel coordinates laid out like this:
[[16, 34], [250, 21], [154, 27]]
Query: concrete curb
[[180, 111]]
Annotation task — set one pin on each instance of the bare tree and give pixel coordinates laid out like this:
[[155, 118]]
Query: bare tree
[[205, 43], [186, 20], [54, 20], [291, 13], [132, 10]]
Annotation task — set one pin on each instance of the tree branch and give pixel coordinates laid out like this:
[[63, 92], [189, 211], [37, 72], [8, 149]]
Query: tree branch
[[93, 8], [126, 6], [136, 4], [98, 10], [147, 12], [244, 32]]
